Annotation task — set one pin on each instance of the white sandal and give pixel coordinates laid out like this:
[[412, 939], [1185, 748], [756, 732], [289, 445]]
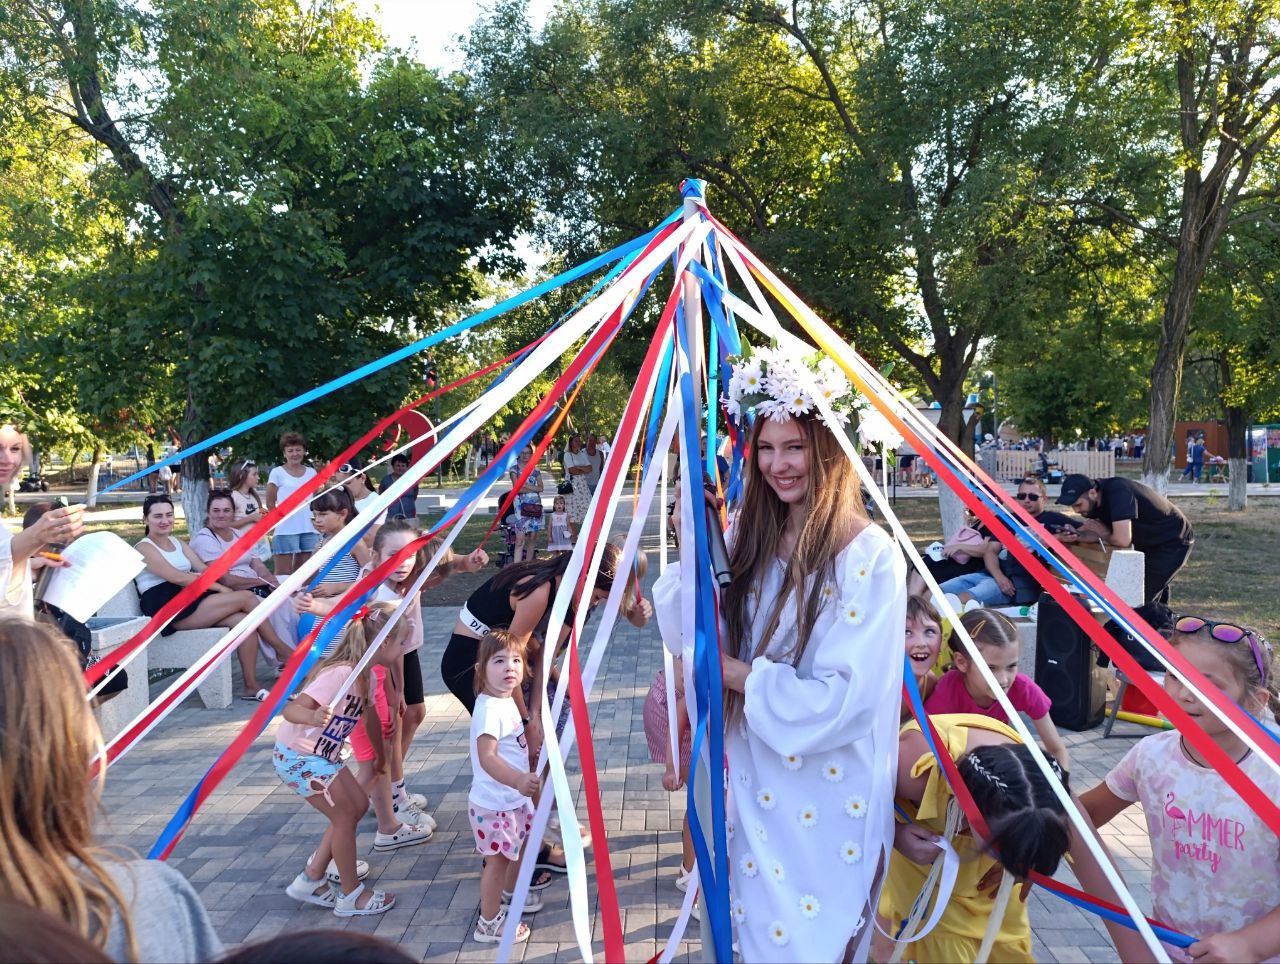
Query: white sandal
[[490, 931], [303, 888], [532, 901], [379, 903]]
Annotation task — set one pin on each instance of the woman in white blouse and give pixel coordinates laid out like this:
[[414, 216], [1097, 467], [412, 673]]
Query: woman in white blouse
[[812, 668], [577, 468]]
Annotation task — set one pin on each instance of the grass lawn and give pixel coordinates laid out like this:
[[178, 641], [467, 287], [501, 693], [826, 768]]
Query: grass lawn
[[1233, 571]]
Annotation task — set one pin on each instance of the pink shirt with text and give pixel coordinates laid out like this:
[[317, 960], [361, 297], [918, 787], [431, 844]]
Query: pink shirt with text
[[327, 741], [1215, 864]]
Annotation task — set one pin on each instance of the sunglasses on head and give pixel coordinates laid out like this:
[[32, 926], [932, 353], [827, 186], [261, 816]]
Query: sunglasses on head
[[1028, 496], [1226, 633], [247, 462]]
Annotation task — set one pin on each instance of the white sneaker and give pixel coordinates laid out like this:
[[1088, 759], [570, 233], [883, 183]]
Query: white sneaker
[[532, 902], [362, 869], [411, 798], [408, 813], [409, 835]]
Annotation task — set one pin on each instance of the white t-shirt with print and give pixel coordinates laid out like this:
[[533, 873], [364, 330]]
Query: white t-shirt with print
[[1215, 863], [299, 521], [497, 717]]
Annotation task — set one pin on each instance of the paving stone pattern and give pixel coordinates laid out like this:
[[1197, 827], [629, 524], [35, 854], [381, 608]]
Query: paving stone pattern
[[254, 835]]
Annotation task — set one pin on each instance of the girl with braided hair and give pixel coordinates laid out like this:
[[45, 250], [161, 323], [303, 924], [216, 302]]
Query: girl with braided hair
[[1029, 832]]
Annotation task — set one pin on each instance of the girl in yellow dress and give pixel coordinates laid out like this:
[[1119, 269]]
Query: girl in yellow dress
[[1028, 825]]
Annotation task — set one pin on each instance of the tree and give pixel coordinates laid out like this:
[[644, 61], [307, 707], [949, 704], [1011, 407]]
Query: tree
[[1202, 88], [891, 159], [300, 201]]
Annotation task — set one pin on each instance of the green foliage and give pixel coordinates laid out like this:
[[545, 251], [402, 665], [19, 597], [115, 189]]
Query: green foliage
[[286, 201]]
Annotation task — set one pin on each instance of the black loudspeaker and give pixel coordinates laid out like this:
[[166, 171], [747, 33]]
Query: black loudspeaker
[[1067, 669]]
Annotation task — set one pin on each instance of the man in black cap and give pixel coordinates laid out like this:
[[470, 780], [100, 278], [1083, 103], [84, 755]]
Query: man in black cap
[[1124, 514]]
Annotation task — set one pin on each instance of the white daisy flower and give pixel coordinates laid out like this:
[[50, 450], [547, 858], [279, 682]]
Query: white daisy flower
[[809, 906], [748, 865], [744, 778], [856, 807], [832, 772], [875, 429], [762, 833], [860, 571], [793, 761], [732, 406], [729, 830], [766, 799], [850, 852], [852, 612], [772, 410], [750, 374], [777, 873], [778, 933], [739, 912], [827, 591], [797, 402], [808, 816]]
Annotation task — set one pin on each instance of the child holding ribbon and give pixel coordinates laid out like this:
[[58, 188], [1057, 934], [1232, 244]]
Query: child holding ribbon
[[1216, 864], [308, 760]]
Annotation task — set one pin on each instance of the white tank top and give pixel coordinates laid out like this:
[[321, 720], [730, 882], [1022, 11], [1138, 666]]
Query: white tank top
[[177, 558]]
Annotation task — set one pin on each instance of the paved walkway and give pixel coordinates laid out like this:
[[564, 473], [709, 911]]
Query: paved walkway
[[253, 836]]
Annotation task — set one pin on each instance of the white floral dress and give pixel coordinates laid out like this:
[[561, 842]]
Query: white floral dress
[[813, 764]]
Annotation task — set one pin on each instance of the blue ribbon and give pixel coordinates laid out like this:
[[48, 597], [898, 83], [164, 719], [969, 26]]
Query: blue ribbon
[[400, 354]]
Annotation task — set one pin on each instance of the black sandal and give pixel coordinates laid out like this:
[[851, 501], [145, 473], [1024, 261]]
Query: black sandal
[[544, 861]]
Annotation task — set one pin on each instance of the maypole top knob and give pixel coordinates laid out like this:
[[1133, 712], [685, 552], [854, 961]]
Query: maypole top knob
[[693, 188]]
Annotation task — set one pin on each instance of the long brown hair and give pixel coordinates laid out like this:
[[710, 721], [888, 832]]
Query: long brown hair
[[833, 512], [356, 637], [48, 736]]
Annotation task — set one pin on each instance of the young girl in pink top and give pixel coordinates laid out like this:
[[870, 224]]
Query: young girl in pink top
[[308, 759], [963, 690], [1216, 864]]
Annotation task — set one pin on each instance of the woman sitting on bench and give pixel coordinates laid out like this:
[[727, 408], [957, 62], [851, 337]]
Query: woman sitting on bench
[[171, 567]]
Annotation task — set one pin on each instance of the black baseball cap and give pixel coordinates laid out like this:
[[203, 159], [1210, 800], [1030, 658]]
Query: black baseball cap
[[1074, 486]]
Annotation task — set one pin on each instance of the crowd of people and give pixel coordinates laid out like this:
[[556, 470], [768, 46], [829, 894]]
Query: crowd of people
[[829, 843]]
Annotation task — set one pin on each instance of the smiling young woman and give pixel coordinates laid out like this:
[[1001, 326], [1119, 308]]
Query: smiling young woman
[[812, 668]]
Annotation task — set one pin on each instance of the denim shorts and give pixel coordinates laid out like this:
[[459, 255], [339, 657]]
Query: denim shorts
[[287, 545]]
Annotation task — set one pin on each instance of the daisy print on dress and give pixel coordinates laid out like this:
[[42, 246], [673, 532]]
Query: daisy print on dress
[[855, 807], [766, 799], [739, 912], [761, 833], [744, 778], [832, 772], [809, 906], [777, 873], [850, 852], [748, 865], [852, 612], [793, 761], [808, 816], [778, 933]]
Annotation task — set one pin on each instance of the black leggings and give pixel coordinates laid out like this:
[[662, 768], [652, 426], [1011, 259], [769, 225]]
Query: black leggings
[[458, 669], [413, 691]]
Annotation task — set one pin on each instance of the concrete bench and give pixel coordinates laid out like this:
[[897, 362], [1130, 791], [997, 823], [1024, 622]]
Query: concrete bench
[[109, 633], [179, 651]]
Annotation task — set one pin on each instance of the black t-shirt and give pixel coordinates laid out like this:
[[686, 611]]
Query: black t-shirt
[[1157, 522]]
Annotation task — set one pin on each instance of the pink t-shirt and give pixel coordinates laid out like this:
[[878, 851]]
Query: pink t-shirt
[[950, 696], [326, 742], [1215, 864]]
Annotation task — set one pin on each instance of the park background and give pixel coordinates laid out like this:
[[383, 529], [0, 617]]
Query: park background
[[1056, 216]]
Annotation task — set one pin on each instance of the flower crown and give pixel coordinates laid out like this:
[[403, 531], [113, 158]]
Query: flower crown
[[768, 382]]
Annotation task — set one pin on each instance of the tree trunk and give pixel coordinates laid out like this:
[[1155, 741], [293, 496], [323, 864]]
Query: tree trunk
[[95, 467], [1237, 458], [951, 424]]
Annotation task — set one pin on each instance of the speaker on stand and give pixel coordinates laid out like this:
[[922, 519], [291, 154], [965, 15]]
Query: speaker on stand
[[1067, 668]]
